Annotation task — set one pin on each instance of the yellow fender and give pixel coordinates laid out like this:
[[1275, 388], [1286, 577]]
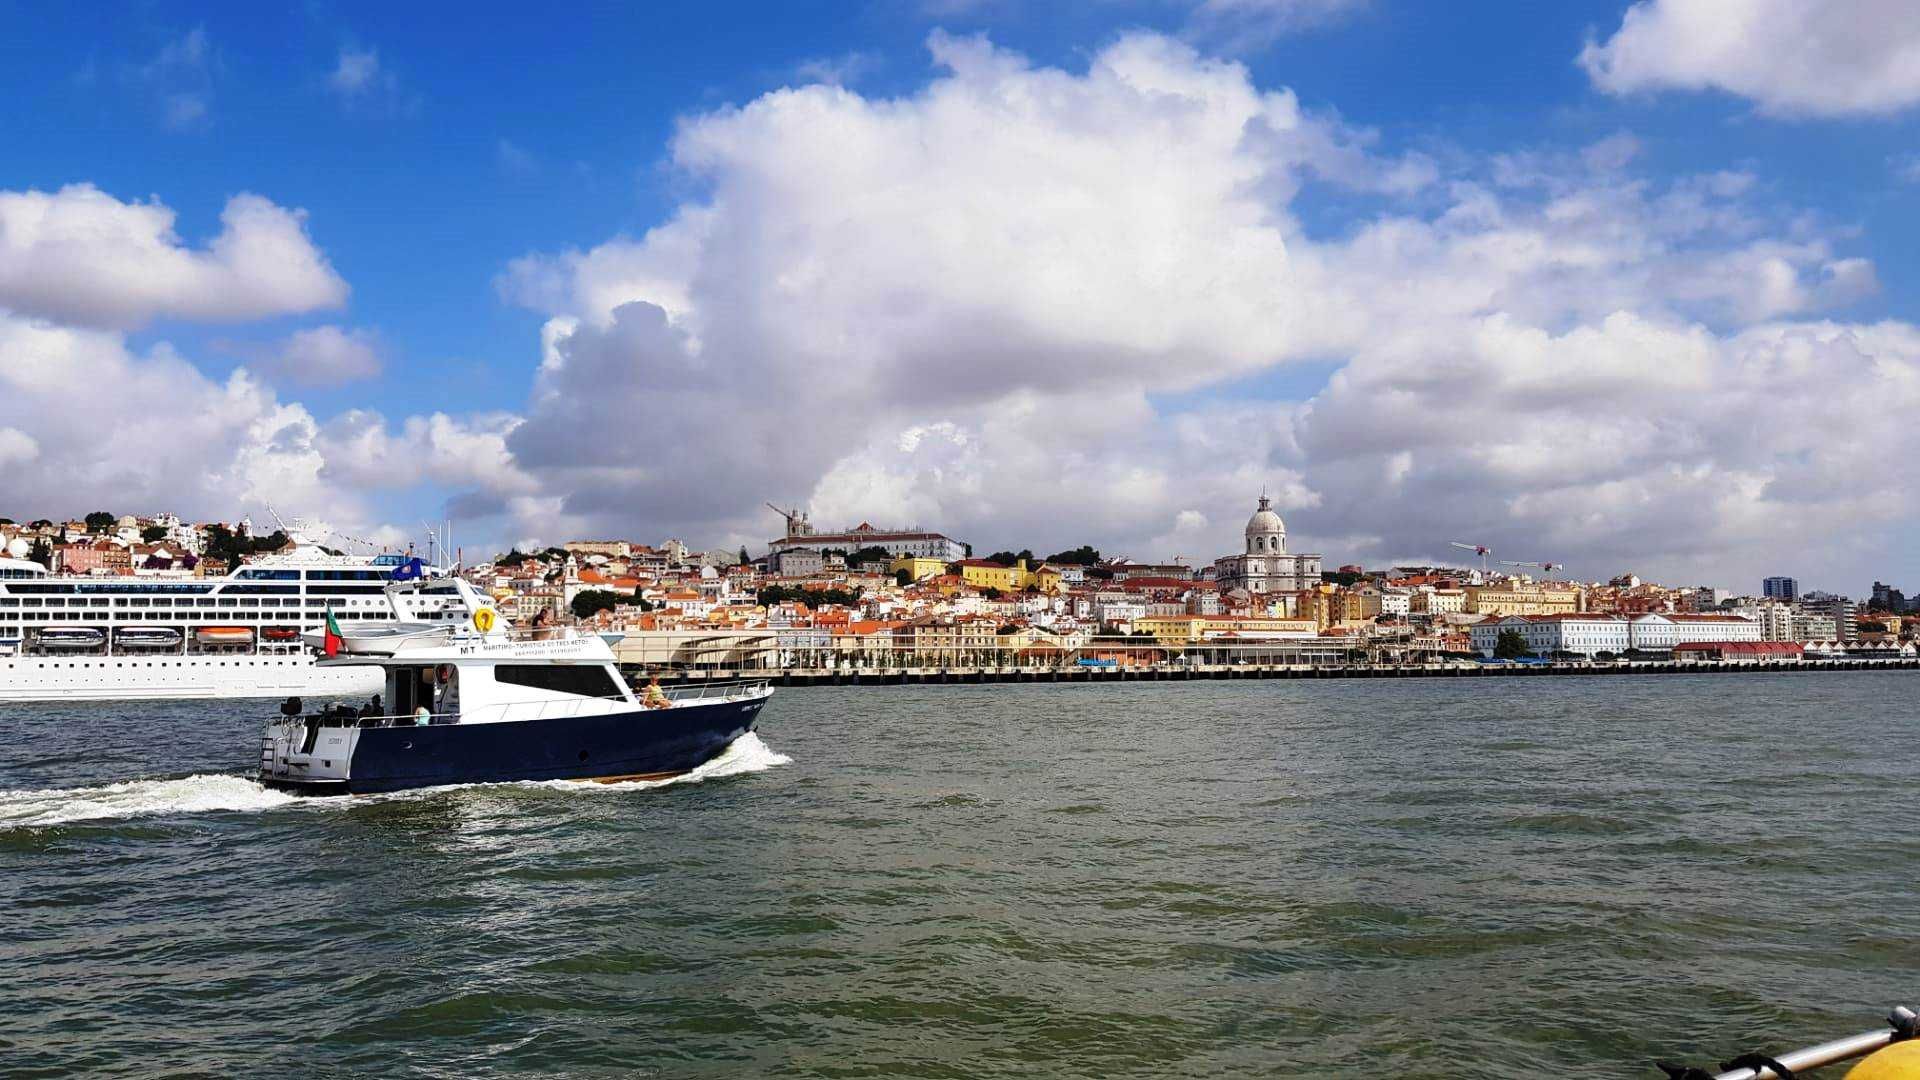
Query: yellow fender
[[1901, 1061]]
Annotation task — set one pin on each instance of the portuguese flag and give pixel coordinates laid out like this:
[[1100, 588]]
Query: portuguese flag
[[331, 643]]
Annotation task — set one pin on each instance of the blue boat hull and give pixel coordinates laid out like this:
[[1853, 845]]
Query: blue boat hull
[[638, 744]]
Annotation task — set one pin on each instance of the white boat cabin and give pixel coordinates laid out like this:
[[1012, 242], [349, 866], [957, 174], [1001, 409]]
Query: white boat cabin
[[443, 675]]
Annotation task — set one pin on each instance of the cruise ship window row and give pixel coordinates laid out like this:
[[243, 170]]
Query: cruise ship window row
[[204, 602], [159, 663]]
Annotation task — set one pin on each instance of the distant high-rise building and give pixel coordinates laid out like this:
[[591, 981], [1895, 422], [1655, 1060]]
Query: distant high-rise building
[[1780, 588]]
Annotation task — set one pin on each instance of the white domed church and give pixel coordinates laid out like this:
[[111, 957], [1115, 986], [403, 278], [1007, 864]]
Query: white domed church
[[1265, 566]]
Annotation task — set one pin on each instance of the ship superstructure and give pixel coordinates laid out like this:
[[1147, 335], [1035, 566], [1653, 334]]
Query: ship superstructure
[[177, 636]]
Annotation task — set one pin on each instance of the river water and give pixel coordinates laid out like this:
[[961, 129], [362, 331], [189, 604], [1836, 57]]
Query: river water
[[1412, 878]]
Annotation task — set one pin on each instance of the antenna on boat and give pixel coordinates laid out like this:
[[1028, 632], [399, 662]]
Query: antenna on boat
[[432, 539]]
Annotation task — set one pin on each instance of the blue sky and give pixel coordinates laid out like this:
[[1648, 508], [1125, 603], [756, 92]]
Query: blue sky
[[472, 137]]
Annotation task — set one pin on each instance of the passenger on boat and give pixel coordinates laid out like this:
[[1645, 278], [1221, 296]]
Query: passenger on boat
[[291, 706], [449, 690], [654, 697], [421, 717]]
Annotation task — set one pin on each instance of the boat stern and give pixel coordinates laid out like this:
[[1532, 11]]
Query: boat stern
[[302, 754]]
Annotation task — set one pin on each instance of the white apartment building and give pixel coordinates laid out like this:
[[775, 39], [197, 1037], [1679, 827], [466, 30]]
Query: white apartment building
[[1808, 626], [1774, 619], [1430, 601], [1661, 632], [1119, 611]]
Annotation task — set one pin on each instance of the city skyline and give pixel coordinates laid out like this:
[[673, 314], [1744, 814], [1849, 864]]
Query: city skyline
[[170, 533], [1565, 290]]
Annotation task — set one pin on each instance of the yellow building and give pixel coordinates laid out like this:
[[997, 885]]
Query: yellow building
[[982, 574], [1048, 579], [1503, 600], [1438, 602], [1317, 604], [1357, 606], [918, 569], [1186, 629]]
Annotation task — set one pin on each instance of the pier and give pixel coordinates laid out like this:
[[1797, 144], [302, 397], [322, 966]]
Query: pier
[[928, 675]]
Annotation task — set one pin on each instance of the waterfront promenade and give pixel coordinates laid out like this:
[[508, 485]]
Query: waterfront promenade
[[1174, 672]]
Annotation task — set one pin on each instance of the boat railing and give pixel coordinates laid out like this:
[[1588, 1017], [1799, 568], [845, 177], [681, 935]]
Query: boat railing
[[717, 690]]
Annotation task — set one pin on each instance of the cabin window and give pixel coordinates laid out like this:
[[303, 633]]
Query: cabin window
[[562, 679]]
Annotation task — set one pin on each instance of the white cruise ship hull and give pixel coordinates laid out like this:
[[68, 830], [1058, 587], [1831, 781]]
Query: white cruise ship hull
[[172, 634], [139, 678]]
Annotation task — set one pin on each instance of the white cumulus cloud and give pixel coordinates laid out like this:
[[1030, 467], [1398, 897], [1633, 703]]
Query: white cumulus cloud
[[1805, 57], [82, 257]]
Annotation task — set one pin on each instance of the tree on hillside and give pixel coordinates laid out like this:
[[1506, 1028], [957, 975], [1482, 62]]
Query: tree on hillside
[[1084, 555], [153, 534], [100, 521], [589, 601], [902, 578], [1008, 558], [744, 560], [869, 554], [41, 552], [1511, 646], [223, 544]]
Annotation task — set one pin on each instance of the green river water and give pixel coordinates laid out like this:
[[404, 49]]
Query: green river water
[[1412, 878]]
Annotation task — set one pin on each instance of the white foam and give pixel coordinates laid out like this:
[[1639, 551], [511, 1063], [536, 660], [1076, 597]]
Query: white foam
[[136, 798], [213, 791]]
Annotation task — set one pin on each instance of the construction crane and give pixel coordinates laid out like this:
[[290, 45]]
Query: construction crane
[[1481, 550], [796, 520], [1545, 567]]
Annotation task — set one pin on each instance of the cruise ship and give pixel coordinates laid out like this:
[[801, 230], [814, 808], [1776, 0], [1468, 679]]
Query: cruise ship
[[68, 637]]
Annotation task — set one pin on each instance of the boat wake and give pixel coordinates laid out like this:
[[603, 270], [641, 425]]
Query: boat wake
[[209, 792], [136, 798], [747, 754]]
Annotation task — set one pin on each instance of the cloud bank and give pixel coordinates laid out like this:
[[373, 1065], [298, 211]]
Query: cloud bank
[[1029, 305]]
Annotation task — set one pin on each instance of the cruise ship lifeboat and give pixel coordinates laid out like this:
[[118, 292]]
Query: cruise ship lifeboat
[[224, 635], [71, 637], [280, 633], [147, 637]]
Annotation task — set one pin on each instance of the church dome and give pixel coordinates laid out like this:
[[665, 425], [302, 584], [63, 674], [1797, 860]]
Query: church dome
[[1264, 521], [1266, 533]]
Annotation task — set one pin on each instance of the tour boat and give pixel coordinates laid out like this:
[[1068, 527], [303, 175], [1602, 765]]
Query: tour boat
[[480, 704]]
